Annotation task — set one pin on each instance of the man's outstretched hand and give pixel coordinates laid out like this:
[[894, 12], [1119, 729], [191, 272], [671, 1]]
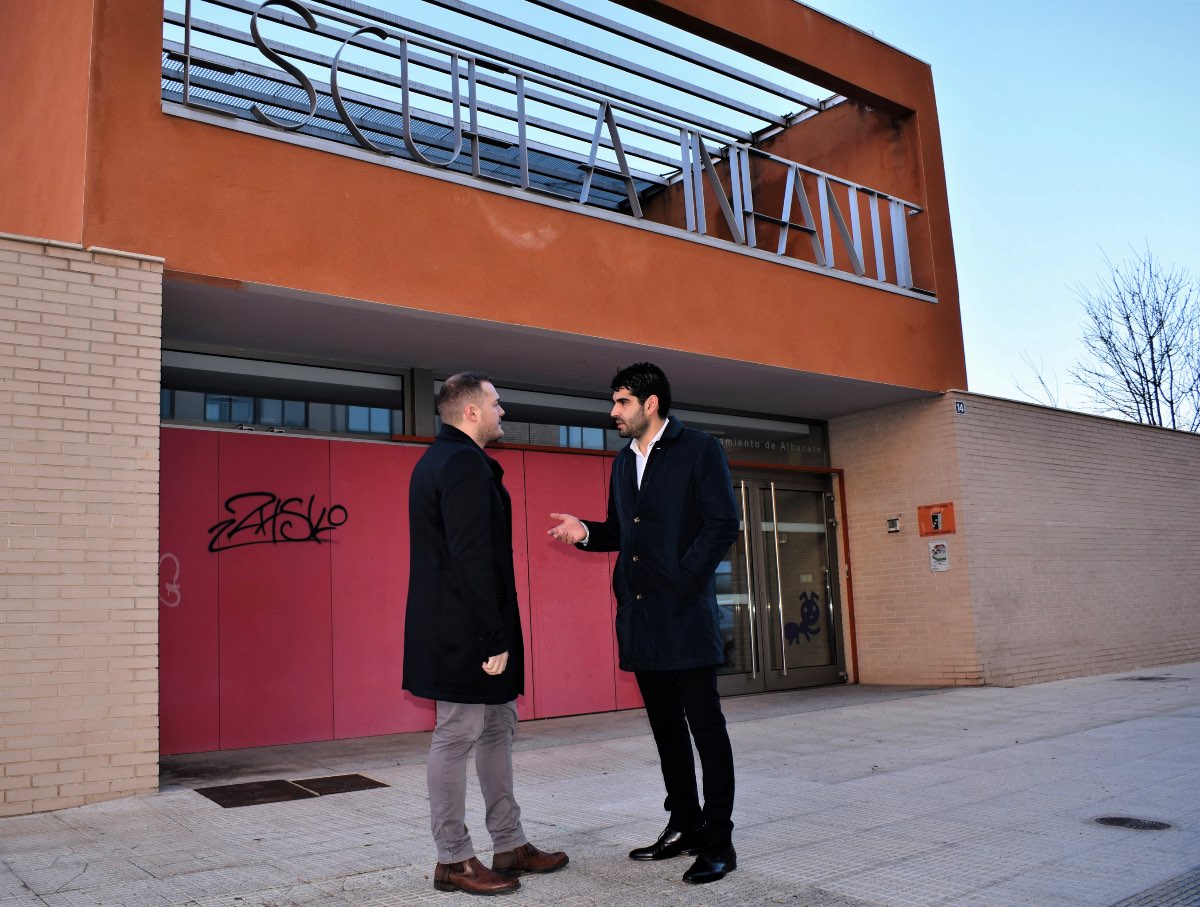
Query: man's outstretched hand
[[568, 530]]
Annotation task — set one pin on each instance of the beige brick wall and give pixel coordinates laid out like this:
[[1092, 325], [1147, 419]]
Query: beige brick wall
[[1085, 541], [79, 383], [913, 626], [1075, 551]]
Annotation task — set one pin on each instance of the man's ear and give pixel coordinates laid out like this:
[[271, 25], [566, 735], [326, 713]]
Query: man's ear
[[651, 404]]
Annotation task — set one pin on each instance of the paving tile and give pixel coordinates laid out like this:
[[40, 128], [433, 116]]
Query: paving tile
[[1181, 891], [11, 886], [848, 797]]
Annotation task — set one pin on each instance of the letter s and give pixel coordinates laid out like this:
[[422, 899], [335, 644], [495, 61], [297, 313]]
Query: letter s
[[278, 60]]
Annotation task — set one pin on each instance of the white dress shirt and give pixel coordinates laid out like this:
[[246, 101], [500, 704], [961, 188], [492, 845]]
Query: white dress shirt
[[640, 459]]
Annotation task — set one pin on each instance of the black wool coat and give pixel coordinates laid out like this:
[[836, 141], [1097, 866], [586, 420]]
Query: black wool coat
[[671, 535], [462, 595]]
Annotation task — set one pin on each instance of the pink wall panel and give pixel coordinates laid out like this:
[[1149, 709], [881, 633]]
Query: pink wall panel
[[513, 462], [189, 707], [568, 589], [370, 582], [275, 623], [270, 636]]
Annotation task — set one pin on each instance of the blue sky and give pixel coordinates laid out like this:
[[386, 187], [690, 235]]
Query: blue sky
[[1070, 130]]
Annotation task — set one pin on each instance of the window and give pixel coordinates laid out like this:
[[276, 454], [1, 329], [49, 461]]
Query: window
[[373, 420], [581, 437], [228, 408], [277, 413], [295, 414], [270, 412], [285, 413]]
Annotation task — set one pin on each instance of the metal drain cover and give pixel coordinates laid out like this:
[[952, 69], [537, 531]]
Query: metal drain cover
[[1130, 822], [1156, 678]]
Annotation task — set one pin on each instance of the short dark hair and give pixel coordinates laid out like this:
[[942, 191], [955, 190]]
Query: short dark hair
[[457, 391], [644, 380]]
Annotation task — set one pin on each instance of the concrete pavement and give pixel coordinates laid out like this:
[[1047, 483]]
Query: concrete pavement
[[847, 797]]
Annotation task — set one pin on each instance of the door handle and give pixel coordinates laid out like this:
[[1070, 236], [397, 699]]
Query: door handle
[[829, 599], [749, 587], [778, 580]]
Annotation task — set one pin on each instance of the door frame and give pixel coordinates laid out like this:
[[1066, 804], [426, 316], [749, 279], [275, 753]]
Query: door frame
[[803, 479]]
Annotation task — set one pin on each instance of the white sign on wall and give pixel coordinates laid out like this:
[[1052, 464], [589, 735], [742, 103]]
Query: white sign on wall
[[939, 556]]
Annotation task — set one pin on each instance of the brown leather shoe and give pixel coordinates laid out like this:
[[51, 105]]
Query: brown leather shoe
[[472, 877], [528, 858]]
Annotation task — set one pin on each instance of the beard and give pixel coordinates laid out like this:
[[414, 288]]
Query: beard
[[634, 426]]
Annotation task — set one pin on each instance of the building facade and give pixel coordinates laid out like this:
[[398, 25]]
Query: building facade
[[241, 243]]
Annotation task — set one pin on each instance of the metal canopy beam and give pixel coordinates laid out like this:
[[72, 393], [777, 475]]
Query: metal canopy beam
[[589, 53], [551, 126], [634, 111], [689, 56], [536, 68]]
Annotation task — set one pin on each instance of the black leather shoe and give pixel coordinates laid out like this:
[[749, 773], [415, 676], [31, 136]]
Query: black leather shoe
[[670, 843], [711, 865]]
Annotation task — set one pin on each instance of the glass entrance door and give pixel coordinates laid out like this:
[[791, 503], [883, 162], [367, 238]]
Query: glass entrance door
[[777, 591]]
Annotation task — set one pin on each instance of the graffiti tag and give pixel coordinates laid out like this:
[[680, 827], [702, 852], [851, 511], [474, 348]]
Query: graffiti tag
[[170, 584], [810, 618], [261, 518]]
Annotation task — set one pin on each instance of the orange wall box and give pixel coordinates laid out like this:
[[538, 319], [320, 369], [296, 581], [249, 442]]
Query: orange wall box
[[935, 519]]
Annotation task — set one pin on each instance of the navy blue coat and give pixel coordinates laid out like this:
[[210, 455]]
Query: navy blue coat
[[671, 535], [462, 594]]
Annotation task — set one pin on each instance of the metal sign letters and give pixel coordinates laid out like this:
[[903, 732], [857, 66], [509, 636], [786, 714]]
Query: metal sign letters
[[711, 163]]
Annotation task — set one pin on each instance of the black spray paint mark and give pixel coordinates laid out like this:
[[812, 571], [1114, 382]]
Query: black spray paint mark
[[261, 518]]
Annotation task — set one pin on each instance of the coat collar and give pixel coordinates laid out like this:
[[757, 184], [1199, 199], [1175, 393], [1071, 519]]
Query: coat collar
[[458, 436], [450, 433], [674, 429]]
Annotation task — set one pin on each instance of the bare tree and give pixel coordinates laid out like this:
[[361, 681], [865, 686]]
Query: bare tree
[[1043, 393], [1142, 335]]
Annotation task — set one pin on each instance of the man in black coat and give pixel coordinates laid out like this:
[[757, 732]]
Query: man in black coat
[[672, 517], [462, 638]]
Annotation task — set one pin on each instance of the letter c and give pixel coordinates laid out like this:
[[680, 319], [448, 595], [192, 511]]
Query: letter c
[[337, 93]]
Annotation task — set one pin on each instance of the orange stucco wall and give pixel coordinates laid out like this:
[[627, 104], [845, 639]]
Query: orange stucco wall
[[215, 202], [44, 55], [815, 47]]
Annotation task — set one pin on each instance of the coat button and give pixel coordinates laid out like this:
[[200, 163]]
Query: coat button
[[636, 558], [638, 596], [637, 519]]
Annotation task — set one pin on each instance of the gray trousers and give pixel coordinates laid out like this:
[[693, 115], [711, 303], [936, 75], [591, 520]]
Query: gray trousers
[[488, 729]]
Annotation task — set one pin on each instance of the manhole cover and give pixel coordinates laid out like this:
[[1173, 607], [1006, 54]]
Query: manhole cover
[[339, 784], [1130, 822], [255, 793], [1157, 678]]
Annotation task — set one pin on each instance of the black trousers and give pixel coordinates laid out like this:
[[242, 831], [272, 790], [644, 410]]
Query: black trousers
[[679, 702]]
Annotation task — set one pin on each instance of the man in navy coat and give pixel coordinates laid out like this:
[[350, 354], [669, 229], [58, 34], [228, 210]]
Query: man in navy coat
[[672, 517], [462, 638]]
